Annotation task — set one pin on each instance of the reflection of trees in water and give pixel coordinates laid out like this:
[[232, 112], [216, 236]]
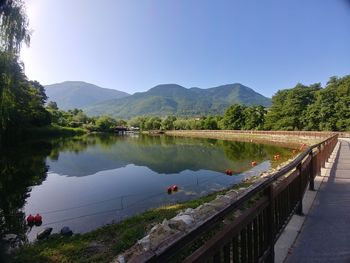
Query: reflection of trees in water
[[162, 154], [236, 151], [20, 167]]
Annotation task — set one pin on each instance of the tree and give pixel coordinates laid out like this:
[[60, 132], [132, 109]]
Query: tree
[[234, 118], [13, 25], [168, 123], [52, 105], [254, 117], [210, 123], [105, 123], [289, 107]]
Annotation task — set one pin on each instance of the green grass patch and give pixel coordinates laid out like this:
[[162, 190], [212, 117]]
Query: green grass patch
[[52, 131], [103, 244]]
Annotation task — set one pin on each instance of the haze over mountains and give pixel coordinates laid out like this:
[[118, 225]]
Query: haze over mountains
[[161, 100]]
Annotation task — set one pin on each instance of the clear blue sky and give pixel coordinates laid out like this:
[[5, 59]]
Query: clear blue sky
[[133, 45]]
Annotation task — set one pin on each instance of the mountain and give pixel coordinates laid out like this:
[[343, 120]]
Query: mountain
[[172, 99], [79, 94]]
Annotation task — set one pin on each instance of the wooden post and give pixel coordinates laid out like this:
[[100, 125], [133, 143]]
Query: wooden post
[[271, 225], [311, 173], [299, 210]]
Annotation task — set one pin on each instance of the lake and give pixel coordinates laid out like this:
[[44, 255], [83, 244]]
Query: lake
[[89, 181]]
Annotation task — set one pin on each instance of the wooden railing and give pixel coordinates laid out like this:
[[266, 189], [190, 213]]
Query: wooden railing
[[265, 210]]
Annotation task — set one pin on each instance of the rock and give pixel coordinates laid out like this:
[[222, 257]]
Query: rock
[[160, 233], [9, 237], [181, 222], [145, 243], [120, 259], [66, 231], [188, 211], [44, 233], [203, 211]]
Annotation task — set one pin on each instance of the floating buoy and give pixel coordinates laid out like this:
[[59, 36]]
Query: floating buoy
[[254, 163], [174, 188], [38, 218], [229, 172], [169, 190], [30, 219]]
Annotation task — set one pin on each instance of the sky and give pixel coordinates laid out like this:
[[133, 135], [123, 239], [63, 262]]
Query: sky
[[133, 45]]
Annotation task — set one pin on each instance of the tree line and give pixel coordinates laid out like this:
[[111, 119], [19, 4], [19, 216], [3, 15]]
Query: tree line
[[23, 102], [312, 107]]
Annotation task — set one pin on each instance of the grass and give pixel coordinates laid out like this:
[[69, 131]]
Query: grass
[[53, 131], [103, 244]]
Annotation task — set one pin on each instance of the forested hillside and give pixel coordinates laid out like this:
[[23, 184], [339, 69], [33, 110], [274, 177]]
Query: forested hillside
[[172, 99]]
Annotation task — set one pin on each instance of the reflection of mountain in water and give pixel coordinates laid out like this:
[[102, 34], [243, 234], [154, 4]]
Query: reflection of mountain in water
[[161, 154]]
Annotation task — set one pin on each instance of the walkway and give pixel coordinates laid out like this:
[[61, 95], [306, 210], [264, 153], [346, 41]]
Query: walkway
[[325, 236]]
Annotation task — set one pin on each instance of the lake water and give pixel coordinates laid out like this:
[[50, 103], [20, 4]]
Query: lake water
[[94, 180]]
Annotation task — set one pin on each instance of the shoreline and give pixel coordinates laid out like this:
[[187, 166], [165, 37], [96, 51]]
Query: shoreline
[[110, 240]]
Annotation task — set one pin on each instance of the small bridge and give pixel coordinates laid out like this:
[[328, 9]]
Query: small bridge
[[247, 229]]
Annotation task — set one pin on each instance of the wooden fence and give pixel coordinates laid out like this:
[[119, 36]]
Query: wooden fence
[[251, 236]]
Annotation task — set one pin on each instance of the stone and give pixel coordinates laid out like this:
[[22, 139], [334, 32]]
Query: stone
[[66, 231], [181, 222], [158, 234], [9, 237], [145, 243], [203, 211], [44, 233]]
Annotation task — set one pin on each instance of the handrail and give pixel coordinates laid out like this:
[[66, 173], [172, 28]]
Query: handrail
[[164, 254]]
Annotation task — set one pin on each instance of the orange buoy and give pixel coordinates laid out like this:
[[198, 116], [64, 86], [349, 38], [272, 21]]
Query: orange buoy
[[174, 188], [30, 219], [254, 163]]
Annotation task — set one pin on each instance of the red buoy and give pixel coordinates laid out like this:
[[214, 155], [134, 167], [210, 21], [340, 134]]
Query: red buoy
[[30, 219], [169, 190], [38, 218], [229, 172], [174, 188], [254, 163]]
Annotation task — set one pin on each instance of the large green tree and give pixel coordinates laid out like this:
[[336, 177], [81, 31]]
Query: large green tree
[[13, 25], [289, 108]]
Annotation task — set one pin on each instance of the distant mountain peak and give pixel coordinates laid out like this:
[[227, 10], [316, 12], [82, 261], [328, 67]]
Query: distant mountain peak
[[174, 99], [80, 94]]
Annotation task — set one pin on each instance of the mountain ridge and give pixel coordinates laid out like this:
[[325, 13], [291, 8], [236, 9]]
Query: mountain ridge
[[173, 99], [79, 94]]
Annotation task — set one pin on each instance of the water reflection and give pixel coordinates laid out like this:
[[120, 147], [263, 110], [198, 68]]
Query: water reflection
[[21, 167], [89, 181], [162, 154]]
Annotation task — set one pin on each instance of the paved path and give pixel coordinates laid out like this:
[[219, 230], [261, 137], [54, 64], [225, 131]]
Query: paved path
[[325, 236]]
